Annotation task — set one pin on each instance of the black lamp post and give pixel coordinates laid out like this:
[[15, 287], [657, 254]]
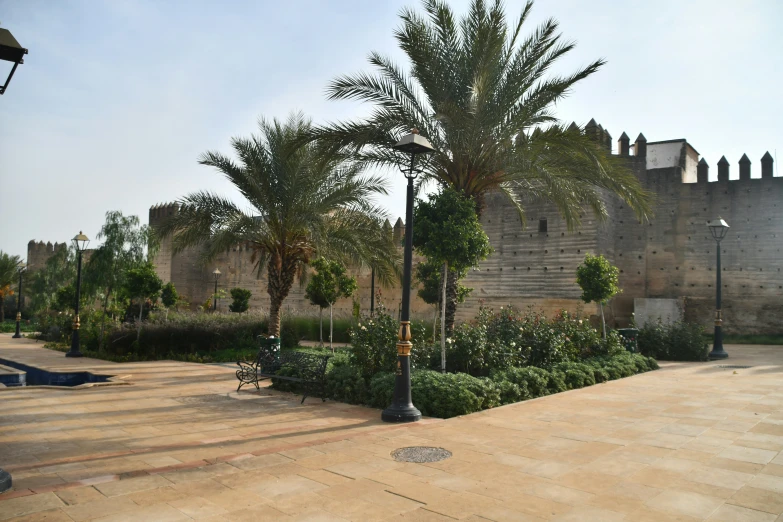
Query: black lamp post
[[402, 408], [10, 51], [80, 242], [19, 268], [719, 229], [216, 274]]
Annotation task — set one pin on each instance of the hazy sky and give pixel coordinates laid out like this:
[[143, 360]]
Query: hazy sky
[[118, 98]]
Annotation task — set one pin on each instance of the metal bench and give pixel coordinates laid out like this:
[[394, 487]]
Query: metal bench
[[308, 369]]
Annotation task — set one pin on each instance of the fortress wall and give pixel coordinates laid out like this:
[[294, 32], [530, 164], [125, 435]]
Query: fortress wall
[[671, 256]]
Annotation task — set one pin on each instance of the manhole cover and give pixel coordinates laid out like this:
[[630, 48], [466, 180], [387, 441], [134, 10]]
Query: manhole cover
[[420, 454], [733, 367]]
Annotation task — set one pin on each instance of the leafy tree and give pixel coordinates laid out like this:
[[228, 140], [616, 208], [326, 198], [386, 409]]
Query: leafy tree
[[306, 200], [430, 290], [169, 297], [446, 230], [143, 283], [598, 280], [241, 297], [126, 244], [8, 276], [58, 271], [484, 95], [326, 286]]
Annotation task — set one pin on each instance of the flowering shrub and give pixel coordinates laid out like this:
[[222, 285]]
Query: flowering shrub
[[374, 344]]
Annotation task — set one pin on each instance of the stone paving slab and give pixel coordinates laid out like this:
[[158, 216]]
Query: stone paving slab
[[689, 442]]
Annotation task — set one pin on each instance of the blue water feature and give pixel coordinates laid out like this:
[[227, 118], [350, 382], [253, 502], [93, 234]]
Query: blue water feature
[[38, 377]]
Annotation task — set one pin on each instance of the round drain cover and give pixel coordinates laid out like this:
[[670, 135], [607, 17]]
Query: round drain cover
[[420, 454]]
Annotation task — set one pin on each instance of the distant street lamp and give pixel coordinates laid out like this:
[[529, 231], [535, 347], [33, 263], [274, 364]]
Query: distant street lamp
[[19, 268], [402, 408], [80, 242], [216, 274], [719, 229], [10, 51]]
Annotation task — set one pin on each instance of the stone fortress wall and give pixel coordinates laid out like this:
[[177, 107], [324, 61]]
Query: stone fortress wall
[[671, 256]]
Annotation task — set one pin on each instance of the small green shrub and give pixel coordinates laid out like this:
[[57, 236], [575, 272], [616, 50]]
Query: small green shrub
[[511, 392], [445, 395], [556, 382], [530, 379], [345, 383], [678, 341], [382, 390]]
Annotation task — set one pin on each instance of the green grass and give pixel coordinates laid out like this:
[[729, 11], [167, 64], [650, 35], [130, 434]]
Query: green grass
[[10, 327]]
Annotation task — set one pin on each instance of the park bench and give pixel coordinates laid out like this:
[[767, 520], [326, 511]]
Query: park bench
[[309, 369]]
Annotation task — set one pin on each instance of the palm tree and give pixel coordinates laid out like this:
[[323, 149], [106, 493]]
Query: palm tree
[[9, 266], [305, 202], [482, 95]]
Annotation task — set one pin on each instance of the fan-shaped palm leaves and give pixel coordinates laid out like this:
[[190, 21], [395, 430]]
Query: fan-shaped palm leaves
[[304, 202], [482, 94]]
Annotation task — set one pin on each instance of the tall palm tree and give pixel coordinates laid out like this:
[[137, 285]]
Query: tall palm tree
[[304, 202], [8, 276], [481, 93]]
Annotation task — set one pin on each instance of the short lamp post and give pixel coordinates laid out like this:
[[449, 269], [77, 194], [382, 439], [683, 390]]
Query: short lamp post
[[10, 51], [80, 242], [402, 408], [719, 229], [19, 268], [216, 274]]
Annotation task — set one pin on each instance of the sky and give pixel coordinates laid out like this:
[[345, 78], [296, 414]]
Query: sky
[[118, 98]]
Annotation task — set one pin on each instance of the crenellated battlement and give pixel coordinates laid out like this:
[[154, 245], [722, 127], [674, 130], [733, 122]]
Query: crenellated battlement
[[161, 211], [39, 252]]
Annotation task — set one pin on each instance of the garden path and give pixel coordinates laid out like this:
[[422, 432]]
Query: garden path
[[689, 442]]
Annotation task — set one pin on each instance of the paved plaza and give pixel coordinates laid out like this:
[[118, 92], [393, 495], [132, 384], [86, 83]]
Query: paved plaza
[[690, 442]]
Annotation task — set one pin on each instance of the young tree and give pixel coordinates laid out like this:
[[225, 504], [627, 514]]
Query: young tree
[[446, 230], [8, 276], [306, 200], [142, 283], [327, 285], [241, 300], [126, 244], [484, 94], [430, 277], [169, 297], [598, 280]]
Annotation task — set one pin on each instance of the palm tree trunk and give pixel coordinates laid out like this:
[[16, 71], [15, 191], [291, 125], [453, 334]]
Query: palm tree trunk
[[443, 320], [331, 331], [281, 275], [450, 301]]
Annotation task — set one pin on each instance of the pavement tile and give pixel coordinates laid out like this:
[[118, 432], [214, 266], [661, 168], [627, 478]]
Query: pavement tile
[[754, 455], [123, 487], [100, 508], [758, 499], [729, 513], [197, 507], [157, 512], [51, 515], [684, 503], [156, 496], [16, 507]]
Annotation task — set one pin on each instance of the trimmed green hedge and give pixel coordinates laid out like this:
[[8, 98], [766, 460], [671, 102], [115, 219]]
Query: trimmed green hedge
[[448, 395]]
